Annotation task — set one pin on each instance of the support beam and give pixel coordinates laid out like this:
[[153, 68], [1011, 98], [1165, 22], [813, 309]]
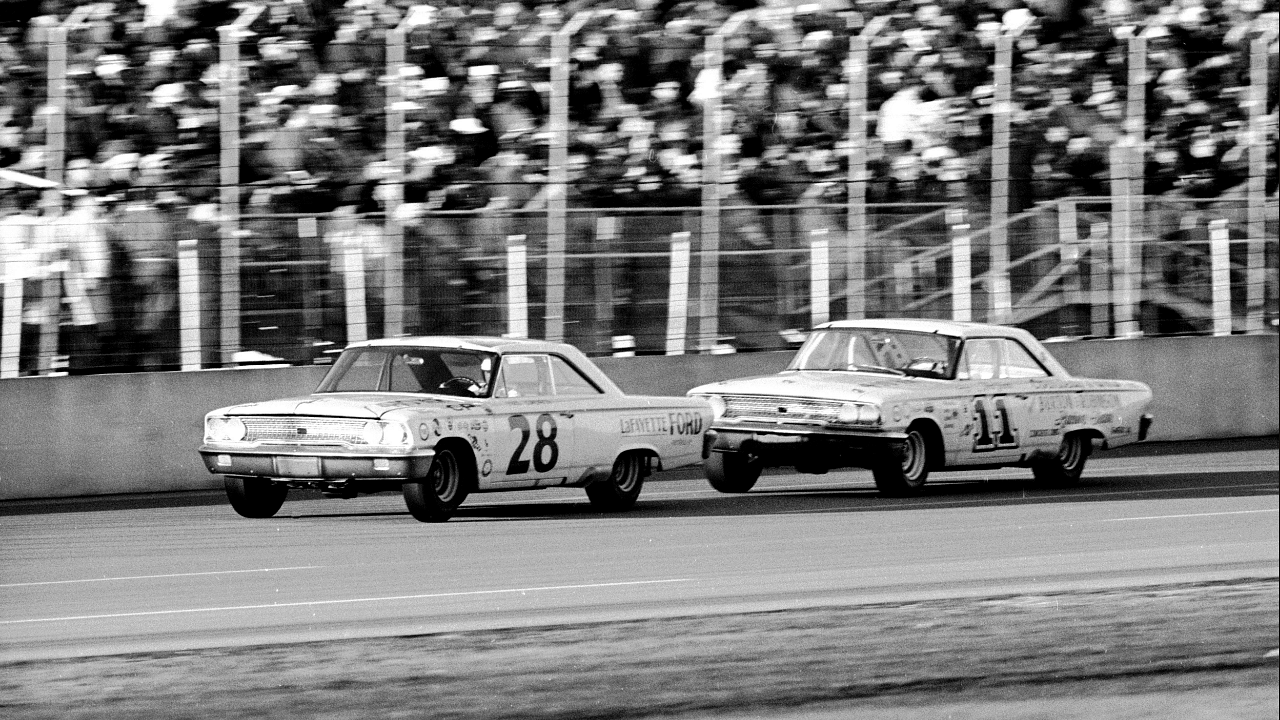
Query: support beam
[[1001, 300], [855, 257]]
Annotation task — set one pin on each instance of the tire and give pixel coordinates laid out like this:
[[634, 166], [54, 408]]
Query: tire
[[1064, 469], [904, 474], [621, 489], [255, 497], [732, 472], [439, 494]]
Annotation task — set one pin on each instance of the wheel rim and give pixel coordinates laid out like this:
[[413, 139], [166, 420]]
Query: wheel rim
[[444, 476], [913, 456], [626, 474], [1071, 452]]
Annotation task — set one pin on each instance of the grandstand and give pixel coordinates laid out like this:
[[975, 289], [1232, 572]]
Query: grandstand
[[243, 182]]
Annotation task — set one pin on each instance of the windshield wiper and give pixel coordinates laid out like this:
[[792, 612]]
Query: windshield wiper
[[879, 369]]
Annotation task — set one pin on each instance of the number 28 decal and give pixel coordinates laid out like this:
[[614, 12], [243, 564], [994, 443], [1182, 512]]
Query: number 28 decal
[[994, 426], [545, 451]]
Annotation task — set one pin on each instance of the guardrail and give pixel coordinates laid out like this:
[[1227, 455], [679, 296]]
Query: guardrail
[[138, 432]]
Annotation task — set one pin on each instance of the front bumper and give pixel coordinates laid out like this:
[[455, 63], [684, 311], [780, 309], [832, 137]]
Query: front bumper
[[780, 445], [302, 464]]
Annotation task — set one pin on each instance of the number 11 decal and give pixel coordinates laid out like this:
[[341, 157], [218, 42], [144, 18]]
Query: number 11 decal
[[987, 418]]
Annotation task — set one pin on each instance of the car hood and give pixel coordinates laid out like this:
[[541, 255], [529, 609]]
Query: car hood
[[833, 385], [350, 405]]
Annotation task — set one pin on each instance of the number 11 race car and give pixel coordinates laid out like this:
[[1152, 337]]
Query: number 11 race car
[[439, 418], [907, 397]]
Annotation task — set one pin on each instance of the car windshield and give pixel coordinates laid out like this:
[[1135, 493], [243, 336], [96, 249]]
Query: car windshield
[[877, 350], [440, 371]]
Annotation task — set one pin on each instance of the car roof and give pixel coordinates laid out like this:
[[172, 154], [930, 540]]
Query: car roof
[[953, 328], [465, 342], [502, 346]]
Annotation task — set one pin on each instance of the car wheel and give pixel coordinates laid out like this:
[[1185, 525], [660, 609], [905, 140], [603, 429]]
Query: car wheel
[[1064, 469], [255, 497], [903, 474], [621, 489], [440, 493], [732, 472]]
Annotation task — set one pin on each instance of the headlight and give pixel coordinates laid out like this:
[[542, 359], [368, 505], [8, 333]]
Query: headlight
[[858, 414], [223, 429], [235, 429], [385, 433], [871, 414], [718, 406], [213, 428], [395, 434]]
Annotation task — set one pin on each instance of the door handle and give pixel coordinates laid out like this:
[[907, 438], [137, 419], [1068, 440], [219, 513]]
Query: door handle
[[565, 414]]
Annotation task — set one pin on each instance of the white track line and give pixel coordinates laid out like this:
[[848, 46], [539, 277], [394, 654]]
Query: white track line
[[1191, 515], [313, 603], [158, 577], [943, 504]]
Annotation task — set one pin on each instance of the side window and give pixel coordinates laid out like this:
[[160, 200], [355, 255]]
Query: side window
[[568, 380], [1018, 363], [524, 376], [980, 360]]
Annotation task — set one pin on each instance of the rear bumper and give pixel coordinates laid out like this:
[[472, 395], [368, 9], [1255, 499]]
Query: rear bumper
[[317, 466]]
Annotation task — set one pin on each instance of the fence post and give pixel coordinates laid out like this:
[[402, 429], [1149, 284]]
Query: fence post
[[624, 345], [353, 289], [56, 98], [11, 332], [558, 175], [819, 277], [1122, 220], [855, 258], [189, 305], [1069, 252], [517, 286], [1002, 111], [678, 294], [712, 171], [1135, 122], [229, 188], [1220, 274], [393, 224], [1255, 263], [1099, 280], [606, 238], [961, 266]]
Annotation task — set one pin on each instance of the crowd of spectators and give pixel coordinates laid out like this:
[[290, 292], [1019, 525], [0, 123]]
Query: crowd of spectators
[[144, 84]]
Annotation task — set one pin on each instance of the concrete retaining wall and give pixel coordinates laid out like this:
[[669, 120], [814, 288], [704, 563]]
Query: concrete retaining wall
[[105, 434]]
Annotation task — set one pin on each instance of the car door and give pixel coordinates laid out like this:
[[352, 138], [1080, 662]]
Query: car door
[[1029, 392], [536, 444], [993, 435]]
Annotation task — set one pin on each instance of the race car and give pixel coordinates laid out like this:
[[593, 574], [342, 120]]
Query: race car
[[438, 418], [904, 398]]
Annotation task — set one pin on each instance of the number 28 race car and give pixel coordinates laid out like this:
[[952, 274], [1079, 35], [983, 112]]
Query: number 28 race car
[[907, 397], [438, 418]]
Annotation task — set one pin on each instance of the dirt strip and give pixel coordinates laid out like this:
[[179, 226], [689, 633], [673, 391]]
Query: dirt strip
[[1183, 646]]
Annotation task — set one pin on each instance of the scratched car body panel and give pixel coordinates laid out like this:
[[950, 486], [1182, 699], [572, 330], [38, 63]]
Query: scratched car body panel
[[509, 415], [907, 397]]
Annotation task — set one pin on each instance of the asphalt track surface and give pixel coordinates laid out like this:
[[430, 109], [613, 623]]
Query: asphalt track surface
[[164, 573]]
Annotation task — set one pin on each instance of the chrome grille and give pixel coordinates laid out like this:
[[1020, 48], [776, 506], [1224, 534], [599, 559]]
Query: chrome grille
[[304, 430], [777, 408]]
